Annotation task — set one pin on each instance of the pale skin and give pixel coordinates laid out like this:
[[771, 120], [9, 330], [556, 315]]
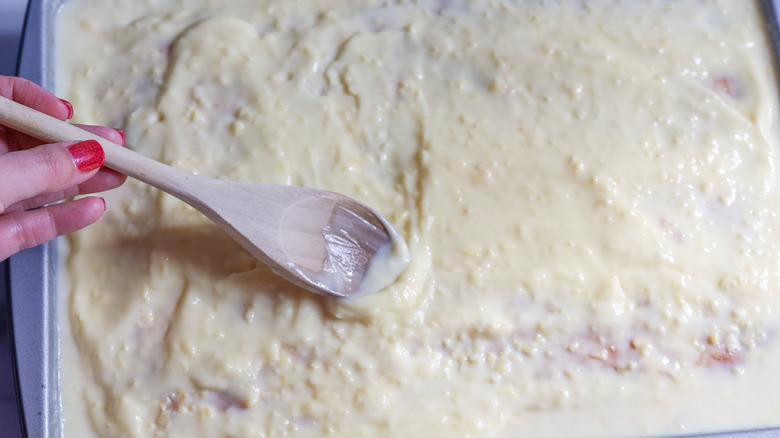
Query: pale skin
[[34, 175]]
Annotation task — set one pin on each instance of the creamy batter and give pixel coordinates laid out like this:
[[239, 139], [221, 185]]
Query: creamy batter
[[588, 190]]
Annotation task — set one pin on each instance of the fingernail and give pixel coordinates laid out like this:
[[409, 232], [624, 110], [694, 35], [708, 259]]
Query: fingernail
[[104, 203], [70, 108], [122, 133], [87, 155]]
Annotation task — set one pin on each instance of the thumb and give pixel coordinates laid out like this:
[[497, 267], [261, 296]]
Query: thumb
[[47, 169]]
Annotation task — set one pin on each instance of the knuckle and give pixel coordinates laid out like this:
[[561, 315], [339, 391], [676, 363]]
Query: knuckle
[[49, 160], [29, 233]]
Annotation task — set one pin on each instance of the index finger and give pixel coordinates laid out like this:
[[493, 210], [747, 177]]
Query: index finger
[[31, 95], [34, 96]]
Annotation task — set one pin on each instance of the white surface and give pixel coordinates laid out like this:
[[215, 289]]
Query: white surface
[[11, 18]]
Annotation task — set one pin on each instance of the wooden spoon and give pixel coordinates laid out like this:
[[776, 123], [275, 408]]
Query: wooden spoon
[[322, 241]]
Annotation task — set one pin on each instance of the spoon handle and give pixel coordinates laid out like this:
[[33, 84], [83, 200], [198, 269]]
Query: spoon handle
[[49, 129]]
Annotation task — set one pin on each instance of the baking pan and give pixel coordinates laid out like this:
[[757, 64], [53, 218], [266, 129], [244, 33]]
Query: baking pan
[[31, 276]]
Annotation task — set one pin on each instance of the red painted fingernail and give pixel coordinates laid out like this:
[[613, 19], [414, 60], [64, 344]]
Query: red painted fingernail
[[122, 133], [104, 204], [87, 155], [70, 108]]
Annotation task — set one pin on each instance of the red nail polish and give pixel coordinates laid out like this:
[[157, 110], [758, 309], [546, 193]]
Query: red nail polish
[[104, 204], [70, 108], [122, 133], [87, 155]]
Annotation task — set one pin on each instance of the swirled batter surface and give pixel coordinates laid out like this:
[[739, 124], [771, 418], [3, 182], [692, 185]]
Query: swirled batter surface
[[588, 188]]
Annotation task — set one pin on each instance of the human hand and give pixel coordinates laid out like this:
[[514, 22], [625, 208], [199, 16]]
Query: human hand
[[33, 174]]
